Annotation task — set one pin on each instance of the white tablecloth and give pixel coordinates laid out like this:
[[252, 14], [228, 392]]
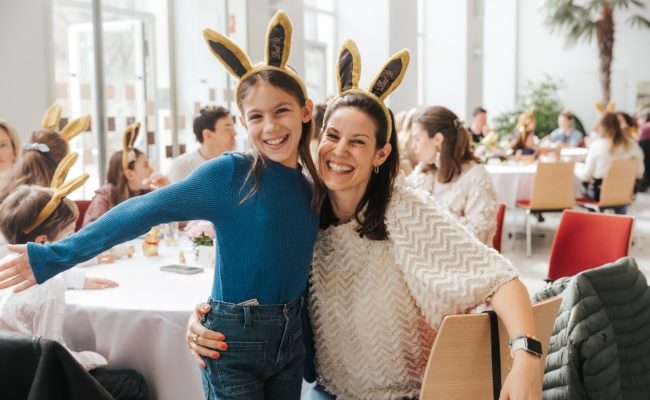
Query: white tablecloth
[[141, 324], [576, 154]]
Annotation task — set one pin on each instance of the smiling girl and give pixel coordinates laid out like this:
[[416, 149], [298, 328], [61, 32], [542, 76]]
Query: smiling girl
[[259, 204]]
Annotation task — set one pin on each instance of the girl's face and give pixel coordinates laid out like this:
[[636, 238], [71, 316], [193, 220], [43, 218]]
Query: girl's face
[[138, 177], [7, 153], [273, 119], [347, 153], [426, 148]]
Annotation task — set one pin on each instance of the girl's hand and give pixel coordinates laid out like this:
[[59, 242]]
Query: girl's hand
[[156, 181], [524, 382], [201, 340], [17, 271], [99, 283]]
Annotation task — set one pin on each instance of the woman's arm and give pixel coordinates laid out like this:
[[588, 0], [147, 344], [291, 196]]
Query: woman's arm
[[512, 305]]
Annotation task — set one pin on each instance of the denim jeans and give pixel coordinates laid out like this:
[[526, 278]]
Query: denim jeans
[[265, 354]]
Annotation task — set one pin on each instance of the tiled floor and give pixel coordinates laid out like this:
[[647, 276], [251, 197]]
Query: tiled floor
[[533, 269]]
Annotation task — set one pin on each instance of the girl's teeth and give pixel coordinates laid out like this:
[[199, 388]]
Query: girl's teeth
[[276, 141]]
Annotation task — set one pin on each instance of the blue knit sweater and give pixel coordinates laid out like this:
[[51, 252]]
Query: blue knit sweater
[[265, 244]]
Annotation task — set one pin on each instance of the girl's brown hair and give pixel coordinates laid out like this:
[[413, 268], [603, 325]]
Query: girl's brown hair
[[288, 84], [115, 176], [21, 208], [456, 147], [36, 167], [610, 127], [370, 213]]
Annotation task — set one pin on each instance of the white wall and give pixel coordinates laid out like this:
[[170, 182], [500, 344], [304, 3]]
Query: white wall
[[403, 33], [26, 70], [539, 52]]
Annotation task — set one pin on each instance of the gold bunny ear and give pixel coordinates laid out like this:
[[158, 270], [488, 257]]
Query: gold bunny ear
[[611, 106], [54, 202], [600, 107], [52, 117], [348, 66], [75, 127], [278, 40], [391, 75], [62, 170], [228, 53], [128, 139]]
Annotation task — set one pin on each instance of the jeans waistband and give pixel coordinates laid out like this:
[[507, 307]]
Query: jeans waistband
[[260, 311]]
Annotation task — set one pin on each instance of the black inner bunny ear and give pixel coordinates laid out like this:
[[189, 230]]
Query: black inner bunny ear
[[388, 75], [228, 57], [345, 69], [276, 45]]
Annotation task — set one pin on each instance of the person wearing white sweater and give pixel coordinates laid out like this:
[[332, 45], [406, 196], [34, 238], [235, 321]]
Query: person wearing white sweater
[[449, 171], [610, 144], [388, 265]]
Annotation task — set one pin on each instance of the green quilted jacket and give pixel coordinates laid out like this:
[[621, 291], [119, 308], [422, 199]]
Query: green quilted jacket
[[600, 347]]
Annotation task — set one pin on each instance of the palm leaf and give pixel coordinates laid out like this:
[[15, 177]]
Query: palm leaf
[[637, 20]]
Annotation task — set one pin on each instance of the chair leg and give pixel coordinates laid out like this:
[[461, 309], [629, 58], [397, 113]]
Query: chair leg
[[528, 239]]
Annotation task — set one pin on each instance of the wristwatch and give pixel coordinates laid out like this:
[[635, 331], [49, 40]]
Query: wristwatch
[[533, 346]]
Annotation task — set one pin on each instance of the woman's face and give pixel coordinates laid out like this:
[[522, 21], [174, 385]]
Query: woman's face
[[426, 148], [273, 119], [347, 153], [7, 153], [138, 177]]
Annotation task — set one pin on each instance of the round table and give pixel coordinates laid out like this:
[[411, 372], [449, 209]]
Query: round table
[[141, 324]]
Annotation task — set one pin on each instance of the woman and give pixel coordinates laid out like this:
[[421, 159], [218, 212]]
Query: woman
[[378, 241], [449, 170], [523, 142], [9, 147], [610, 143]]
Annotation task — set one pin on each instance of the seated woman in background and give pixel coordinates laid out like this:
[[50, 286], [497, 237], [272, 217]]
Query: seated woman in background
[[129, 175], [449, 170], [566, 134], [40, 310], [610, 143], [9, 147], [629, 125], [523, 141], [408, 160]]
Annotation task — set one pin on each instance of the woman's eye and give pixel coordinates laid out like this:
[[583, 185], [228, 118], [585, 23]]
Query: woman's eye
[[253, 117]]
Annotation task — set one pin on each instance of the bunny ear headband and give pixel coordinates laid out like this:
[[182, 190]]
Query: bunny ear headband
[[387, 80], [52, 118], [278, 46], [601, 108], [128, 138], [61, 191]]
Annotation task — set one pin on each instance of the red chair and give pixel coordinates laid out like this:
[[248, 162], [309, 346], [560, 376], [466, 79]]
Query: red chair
[[82, 205], [496, 240], [586, 240]]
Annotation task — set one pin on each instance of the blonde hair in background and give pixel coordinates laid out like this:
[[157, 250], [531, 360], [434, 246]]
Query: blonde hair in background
[[21, 208], [13, 135]]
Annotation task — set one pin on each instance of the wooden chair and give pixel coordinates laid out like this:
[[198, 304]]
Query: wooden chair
[[585, 240], [82, 205], [496, 240], [553, 191], [617, 188], [460, 363]]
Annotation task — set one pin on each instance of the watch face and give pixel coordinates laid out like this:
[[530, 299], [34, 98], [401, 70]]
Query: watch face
[[534, 346]]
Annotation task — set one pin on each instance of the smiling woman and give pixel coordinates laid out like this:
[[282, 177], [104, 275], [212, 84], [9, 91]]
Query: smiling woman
[[9, 146]]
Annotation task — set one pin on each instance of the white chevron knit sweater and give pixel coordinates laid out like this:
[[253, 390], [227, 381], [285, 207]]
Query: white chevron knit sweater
[[375, 305]]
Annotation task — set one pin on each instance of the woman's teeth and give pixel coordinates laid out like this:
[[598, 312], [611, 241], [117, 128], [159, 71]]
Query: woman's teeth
[[339, 167], [275, 142]]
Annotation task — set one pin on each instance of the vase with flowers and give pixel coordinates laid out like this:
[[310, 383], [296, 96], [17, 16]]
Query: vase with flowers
[[202, 235]]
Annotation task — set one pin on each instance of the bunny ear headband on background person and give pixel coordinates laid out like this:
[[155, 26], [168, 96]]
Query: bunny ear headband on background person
[[609, 107], [128, 138], [51, 120], [348, 69], [278, 46], [61, 190]]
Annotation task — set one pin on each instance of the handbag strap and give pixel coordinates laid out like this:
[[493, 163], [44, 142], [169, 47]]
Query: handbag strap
[[496, 354]]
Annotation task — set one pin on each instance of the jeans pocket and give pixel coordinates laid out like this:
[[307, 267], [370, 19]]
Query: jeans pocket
[[240, 368]]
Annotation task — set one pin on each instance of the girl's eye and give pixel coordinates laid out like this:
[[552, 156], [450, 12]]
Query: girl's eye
[[331, 136], [253, 117], [282, 110]]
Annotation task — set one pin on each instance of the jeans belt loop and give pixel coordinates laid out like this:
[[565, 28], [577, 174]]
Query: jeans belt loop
[[247, 316]]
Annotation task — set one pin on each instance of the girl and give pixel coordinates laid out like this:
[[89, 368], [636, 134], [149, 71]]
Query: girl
[[9, 147], [380, 242], [449, 170], [129, 175], [610, 143], [259, 204]]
